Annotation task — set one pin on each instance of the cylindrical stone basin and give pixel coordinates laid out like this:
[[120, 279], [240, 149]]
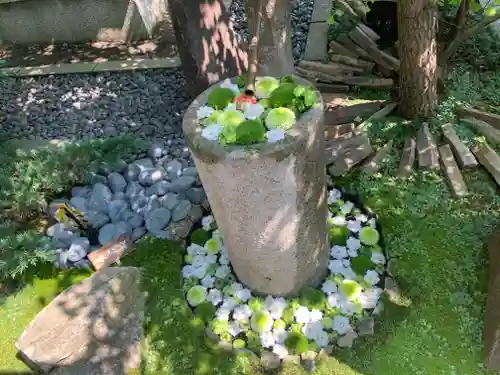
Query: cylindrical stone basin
[[269, 201]]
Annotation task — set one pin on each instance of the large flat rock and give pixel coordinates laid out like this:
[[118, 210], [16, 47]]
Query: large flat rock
[[465, 157], [93, 327], [428, 155]]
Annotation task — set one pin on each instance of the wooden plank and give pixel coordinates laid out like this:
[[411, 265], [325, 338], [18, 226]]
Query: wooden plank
[[427, 152], [360, 8], [344, 114], [349, 44], [352, 157], [339, 132], [346, 8], [371, 34], [374, 164], [330, 68], [407, 158], [491, 118], [451, 171], [489, 159], [385, 111], [316, 76], [347, 60], [331, 88], [337, 148], [483, 128], [463, 155], [368, 82], [339, 49]]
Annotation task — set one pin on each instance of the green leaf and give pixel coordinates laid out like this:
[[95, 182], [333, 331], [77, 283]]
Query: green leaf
[[490, 11], [331, 20], [310, 98], [299, 91], [474, 6]]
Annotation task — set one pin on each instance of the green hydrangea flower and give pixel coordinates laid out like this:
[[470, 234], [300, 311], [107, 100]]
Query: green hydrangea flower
[[261, 321], [219, 326], [213, 246], [226, 336], [279, 324], [239, 344], [205, 311], [188, 258], [369, 236], [196, 295], [264, 86], [296, 343], [256, 304], [288, 315], [212, 119], [245, 133], [220, 97], [283, 95], [283, 118], [231, 117], [350, 289], [253, 341]]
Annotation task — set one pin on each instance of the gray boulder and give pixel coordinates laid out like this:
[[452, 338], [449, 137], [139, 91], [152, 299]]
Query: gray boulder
[[116, 209], [134, 169], [196, 195], [116, 182], [97, 219], [182, 184], [107, 234], [174, 169], [150, 176], [133, 189], [78, 249], [157, 219], [170, 200], [99, 198], [159, 188], [181, 210]]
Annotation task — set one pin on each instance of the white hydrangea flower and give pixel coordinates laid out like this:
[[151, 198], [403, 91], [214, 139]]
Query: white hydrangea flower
[[353, 243], [362, 217], [369, 298], [200, 272], [207, 221], [199, 260], [321, 339], [230, 302], [211, 132], [335, 266], [333, 300], [242, 312], [338, 221], [302, 315], [341, 324], [236, 286], [227, 84], [347, 207], [223, 313], [195, 249], [352, 253], [315, 315], [354, 226], [372, 223], [275, 135], [338, 252], [378, 258], [253, 111], [224, 260], [234, 329], [371, 277], [208, 281], [230, 107], [203, 112], [348, 273], [222, 272], [333, 196], [280, 350], [280, 336], [346, 263], [214, 297], [188, 271], [267, 339], [243, 294], [329, 287], [347, 308], [311, 330], [211, 258]]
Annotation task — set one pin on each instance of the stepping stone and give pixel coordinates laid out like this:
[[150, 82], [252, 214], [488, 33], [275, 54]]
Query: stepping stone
[[450, 169], [428, 155], [464, 156], [373, 165], [483, 128], [491, 118], [489, 159], [317, 42], [385, 111], [407, 158], [92, 325], [491, 331], [321, 10], [339, 132]]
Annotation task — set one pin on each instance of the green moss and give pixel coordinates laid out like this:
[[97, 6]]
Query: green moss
[[245, 133], [205, 311], [200, 236], [219, 98], [369, 236], [296, 343], [312, 298], [283, 96]]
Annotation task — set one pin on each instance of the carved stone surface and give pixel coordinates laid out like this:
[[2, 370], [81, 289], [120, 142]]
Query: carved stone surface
[[93, 327]]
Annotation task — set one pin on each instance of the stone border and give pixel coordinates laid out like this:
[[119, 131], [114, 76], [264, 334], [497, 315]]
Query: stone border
[[91, 67]]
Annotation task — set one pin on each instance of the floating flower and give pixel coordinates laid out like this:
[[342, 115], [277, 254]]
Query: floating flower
[[208, 281], [354, 226], [234, 329], [261, 321], [302, 315], [275, 135], [372, 223], [353, 243], [275, 306], [350, 289], [338, 221], [378, 258], [280, 335], [333, 196], [371, 277], [230, 302], [188, 271], [321, 339], [196, 295], [311, 329], [347, 207], [243, 294], [327, 323], [264, 86], [203, 112], [315, 315], [333, 300], [349, 308], [211, 132], [338, 252], [224, 260], [369, 236], [253, 111], [267, 339], [280, 350], [213, 246], [361, 217], [369, 298], [200, 272], [227, 84], [335, 266], [341, 324], [214, 296], [195, 249], [329, 287], [242, 312], [222, 272], [281, 117]]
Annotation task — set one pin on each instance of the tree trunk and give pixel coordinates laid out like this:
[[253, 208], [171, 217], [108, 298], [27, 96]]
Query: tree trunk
[[417, 24], [275, 45], [207, 44]]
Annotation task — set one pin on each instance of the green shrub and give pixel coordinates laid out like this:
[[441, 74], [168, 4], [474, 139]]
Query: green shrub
[[245, 133]]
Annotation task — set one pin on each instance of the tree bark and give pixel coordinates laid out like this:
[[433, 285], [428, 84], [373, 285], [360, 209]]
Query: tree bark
[[417, 24], [208, 47], [275, 44]]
